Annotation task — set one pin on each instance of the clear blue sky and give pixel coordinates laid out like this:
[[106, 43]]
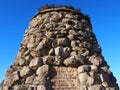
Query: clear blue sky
[[16, 14]]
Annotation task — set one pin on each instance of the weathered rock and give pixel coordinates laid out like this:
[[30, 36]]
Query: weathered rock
[[29, 80], [94, 68], [84, 51], [36, 62], [70, 62], [73, 44], [58, 51], [96, 87], [105, 84], [71, 37], [62, 42], [22, 62], [90, 81], [43, 71], [12, 78], [83, 78], [39, 80], [48, 59], [25, 72], [21, 87], [96, 60], [84, 68], [66, 52], [41, 87], [51, 52], [9, 71]]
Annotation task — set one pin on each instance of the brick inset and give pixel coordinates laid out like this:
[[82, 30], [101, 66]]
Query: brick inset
[[63, 78]]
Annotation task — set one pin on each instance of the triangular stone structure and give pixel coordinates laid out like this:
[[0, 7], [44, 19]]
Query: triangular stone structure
[[59, 51]]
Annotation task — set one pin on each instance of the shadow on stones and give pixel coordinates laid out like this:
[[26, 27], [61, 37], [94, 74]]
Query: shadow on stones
[[52, 74]]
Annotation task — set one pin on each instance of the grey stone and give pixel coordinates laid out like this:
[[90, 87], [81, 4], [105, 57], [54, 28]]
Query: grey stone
[[48, 59], [51, 52], [29, 80], [16, 76], [25, 72], [66, 52], [80, 59], [83, 78], [49, 25], [36, 62], [105, 84], [8, 81], [49, 34], [70, 37], [73, 53], [11, 78], [58, 51], [5, 88], [30, 46], [43, 71], [62, 42], [84, 51], [69, 16], [70, 62], [38, 53], [96, 60], [85, 44], [28, 57], [73, 44], [27, 53], [96, 87], [83, 68], [41, 87], [94, 68], [90, 81], [65, 20], [9, 71], [105, 69], [73, 32], [57, 61], [68, 26], [21, 62], [39, 80], [22, 87]]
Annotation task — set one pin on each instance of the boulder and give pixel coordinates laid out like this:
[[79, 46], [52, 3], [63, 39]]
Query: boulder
[[83, 78], [58, 51], [96, 60], [70, 62], [62, 42], [25, 72], [48, 59], [39, 80], [83, 68], [36, 62], [96, 87], [73, 44], [43, 71], [29, 80], [41, 87]]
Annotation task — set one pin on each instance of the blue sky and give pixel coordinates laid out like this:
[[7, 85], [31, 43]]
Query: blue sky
[[105, 18]]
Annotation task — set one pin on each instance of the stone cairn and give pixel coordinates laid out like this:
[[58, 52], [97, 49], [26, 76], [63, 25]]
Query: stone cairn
[[59, 51]]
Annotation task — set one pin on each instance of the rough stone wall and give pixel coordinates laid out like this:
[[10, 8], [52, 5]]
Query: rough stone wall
[[59, 51]]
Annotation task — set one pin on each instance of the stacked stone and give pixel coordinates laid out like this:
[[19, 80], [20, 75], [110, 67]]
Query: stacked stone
[[59, 37]]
